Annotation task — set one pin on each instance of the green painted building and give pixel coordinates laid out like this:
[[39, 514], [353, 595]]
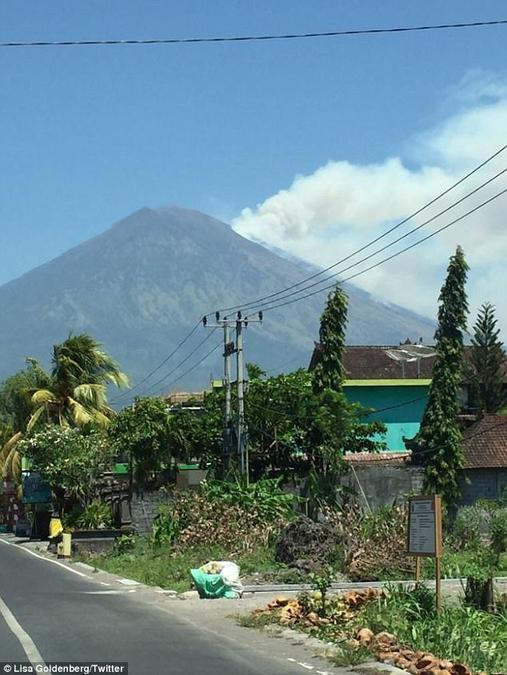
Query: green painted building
[[399, 404], [395, 392]]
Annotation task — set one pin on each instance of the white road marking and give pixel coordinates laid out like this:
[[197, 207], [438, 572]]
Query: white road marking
[[129, 582], [305, 665], [103, 592], [41, 557], [25, 640]]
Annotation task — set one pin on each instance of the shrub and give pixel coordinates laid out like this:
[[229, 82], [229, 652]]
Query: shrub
[[457, 633], [124, 544], [374, 544], [237, 519], [265, 497], [498, 530], [96, 515], [472, 525], [165, 527]]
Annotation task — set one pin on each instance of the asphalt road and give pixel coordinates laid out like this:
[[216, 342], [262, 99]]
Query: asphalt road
[[65, 616]]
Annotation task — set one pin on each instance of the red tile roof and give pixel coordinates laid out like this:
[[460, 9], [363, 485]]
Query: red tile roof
[[485, 443]]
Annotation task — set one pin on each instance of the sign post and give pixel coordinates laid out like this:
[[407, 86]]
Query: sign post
[[425, 535]]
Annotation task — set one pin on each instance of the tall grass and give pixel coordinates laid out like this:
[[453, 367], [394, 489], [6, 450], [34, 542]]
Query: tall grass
[[458, 633]]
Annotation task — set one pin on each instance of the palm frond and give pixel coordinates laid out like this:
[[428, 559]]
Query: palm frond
[[43, 396], [12, 466], [93, 394], [35, 417], [80, 414]]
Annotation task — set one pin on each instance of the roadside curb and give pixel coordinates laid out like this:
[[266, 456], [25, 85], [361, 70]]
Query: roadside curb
[[327, 650]]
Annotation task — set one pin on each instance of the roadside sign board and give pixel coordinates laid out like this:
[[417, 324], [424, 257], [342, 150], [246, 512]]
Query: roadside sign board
[[425, 536], [35, 489], [425, 526]]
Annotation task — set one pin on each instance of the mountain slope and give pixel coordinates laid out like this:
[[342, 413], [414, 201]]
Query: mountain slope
[[141, 285]]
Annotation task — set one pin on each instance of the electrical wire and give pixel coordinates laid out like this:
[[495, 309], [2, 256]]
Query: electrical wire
[[394, 255], [419, 453], [370, 243], [189, 370], [180, 344], [152, 387], [371, 411], [282, 297], [254, 38], [387, 246]]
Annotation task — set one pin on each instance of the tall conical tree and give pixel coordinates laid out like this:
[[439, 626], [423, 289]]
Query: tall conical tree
[[487, 363], [329, 372], [438, 445], [337, 425]]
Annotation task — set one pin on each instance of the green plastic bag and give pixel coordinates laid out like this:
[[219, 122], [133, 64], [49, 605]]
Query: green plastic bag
[[211, 586]]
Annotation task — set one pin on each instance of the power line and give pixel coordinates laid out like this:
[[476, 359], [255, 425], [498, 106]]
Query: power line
[[254, 38], [279, 293], [387, 246], [160, 365], [370, 243], [189, 370], [394, 255], [152, 387], [419, 452], [371, 411]]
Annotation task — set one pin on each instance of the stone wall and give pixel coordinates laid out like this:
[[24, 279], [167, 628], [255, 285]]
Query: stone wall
[[388, 484], [482, 484], [379, 484], [144, 507]]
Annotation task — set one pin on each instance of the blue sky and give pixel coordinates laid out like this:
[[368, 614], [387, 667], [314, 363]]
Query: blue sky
[[90, 134]]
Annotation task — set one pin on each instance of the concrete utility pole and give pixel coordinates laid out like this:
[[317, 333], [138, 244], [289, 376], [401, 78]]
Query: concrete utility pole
[[240, 378], [229, 349]]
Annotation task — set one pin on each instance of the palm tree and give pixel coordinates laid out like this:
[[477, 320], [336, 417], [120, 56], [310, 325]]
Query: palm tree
[[77, 391], [10, 460]]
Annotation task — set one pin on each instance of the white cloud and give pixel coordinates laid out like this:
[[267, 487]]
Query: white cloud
[[324, 216]]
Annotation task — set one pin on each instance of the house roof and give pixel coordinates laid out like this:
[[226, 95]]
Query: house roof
[[363, 458], [485, 443], [371, 362]]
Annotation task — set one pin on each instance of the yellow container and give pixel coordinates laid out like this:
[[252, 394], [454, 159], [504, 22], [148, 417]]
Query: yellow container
[[55, 527]]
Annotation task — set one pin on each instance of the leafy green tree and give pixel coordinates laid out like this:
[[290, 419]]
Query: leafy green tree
[[15, 411], [76, 392], [255, 372], [70, 460], [141, 432], [486, 370], [195, 431], [15, 395], [277, 415], [438, 445], [286, 420]]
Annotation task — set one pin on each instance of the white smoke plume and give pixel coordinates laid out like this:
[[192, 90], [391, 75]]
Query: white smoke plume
[[324, 216]]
